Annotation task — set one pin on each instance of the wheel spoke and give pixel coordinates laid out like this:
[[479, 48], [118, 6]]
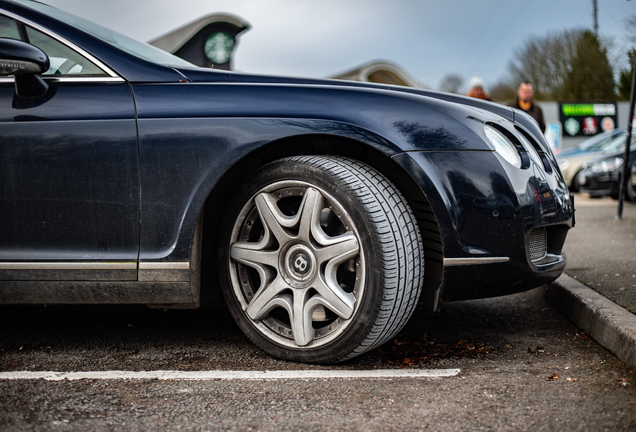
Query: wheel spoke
[[335, 298], [336, 250], [340, 249], [309, 213], [301, 317], [338, 300], [272, 218], [267, 298], [251, 254]]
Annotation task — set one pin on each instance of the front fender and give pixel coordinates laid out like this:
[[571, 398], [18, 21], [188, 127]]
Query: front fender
[[182, 160]]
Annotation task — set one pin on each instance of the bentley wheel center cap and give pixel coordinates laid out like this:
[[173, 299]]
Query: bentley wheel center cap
[[300, 263]]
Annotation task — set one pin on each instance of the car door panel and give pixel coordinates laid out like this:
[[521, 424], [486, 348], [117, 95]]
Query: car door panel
[[69, 177]]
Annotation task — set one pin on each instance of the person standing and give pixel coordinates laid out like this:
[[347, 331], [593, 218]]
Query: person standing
[[525, 103], [477, 88]]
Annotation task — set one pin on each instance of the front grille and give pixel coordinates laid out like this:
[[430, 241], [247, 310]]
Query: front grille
[[538, 244]]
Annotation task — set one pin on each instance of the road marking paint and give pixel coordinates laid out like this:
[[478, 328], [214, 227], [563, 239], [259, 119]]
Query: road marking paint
[[230, 375]]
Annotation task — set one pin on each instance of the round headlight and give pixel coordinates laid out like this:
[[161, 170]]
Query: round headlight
[[503, 146], [563, 164], [607, 165]]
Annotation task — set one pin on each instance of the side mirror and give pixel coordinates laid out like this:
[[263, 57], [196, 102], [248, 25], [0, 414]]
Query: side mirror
[[25, 62]]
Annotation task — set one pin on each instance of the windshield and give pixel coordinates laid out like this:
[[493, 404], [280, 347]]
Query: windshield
[[617, 143], [124, 43], [599, 141]]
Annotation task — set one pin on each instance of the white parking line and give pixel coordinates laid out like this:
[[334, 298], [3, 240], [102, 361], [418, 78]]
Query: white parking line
[[231, 375]]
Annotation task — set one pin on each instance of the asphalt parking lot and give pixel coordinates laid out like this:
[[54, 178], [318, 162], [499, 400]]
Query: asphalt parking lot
[[522, 365]]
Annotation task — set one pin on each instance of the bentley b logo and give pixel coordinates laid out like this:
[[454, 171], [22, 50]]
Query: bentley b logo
[[301, 263]]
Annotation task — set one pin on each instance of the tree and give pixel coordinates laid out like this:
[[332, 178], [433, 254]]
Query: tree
[[590, 76], [624, 86], [545, 62], [630, 26], [451, 83], [555, 61], [625, 77], [504, 90]]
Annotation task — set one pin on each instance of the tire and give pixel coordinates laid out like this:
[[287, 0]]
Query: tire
[[321, 259], [574, 185]]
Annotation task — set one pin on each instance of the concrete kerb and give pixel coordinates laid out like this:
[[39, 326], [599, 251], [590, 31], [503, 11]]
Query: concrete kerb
[[606, 322]]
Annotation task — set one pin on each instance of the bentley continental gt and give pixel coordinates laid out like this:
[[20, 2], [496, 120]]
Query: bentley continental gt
[[324, 211]]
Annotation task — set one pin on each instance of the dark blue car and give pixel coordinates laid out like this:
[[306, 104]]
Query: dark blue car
[[323, 210], [602, 176]]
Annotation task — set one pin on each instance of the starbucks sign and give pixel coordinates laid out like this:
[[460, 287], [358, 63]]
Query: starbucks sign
[[218, 47]]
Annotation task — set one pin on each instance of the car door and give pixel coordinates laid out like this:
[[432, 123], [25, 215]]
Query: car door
[[69, 174]]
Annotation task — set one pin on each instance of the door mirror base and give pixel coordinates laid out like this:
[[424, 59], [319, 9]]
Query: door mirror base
[[30, 86]]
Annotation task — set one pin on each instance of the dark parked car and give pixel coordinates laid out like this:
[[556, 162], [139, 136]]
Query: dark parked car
[[324, 210], [571, 161], [602, 176]]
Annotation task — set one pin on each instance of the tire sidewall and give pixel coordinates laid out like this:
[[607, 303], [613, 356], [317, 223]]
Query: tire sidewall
[[574, 185]]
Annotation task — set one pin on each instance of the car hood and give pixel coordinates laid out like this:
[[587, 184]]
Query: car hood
[[208, 75], [204, 75]]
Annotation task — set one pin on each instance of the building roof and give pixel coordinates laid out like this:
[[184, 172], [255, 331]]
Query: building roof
[[174, 40], [379, 71]]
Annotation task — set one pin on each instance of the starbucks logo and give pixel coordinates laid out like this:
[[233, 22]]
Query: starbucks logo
[[218, 48], [572, 126]]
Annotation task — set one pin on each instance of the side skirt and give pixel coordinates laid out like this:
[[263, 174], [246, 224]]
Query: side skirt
[[161, 285], [107, 292]]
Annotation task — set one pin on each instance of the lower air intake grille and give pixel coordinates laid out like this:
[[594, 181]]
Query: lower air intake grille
[[538, 244]]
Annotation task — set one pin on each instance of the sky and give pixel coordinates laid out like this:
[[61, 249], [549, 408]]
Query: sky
[[429, 39]]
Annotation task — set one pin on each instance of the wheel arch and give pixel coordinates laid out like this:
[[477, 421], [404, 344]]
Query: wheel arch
[[317, 144]]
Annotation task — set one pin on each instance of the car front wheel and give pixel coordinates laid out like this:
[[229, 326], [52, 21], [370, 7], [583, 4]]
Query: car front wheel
[[321, 259]]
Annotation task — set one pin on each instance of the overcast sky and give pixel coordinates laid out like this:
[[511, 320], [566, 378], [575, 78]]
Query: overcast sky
[[318, 38]]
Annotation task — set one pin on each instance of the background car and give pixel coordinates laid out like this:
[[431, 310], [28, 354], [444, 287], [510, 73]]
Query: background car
[[324, 211], [571, 161], [601, 176]]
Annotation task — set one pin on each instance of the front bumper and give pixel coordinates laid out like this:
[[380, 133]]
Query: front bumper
[[599, 184], [487, 209]]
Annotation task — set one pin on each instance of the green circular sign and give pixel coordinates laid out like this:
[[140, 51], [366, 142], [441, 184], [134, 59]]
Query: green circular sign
[[572, 126], [218, 48]]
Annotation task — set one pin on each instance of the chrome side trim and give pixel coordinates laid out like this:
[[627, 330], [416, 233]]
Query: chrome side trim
[[78, 79], [64, 41], [68, 265], [474, 261], [164, 265]]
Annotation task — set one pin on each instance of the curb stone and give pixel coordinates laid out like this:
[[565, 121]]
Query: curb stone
[[606, 322]]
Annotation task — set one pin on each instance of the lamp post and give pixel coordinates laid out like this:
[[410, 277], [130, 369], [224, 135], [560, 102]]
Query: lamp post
[[622, 187]]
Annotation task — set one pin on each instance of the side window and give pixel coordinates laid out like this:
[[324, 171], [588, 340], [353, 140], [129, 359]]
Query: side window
[[8, 28], [64, 61]]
